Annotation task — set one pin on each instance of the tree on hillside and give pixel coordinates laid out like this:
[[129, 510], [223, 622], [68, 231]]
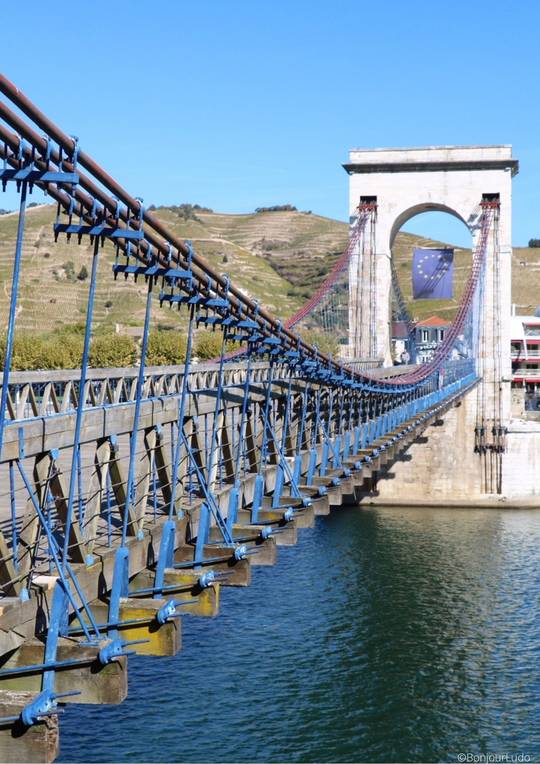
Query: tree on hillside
[[277, 208]]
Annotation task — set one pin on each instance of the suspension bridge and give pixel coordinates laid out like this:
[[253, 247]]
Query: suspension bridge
[[131, 498]]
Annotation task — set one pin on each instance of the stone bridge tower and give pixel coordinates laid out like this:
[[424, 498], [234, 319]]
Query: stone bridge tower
[[452, 179]]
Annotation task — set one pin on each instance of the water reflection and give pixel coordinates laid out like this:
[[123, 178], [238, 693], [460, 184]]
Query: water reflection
[[385, 635]]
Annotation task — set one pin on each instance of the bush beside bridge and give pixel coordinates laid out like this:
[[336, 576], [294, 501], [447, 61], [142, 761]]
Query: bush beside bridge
[[62, 349]]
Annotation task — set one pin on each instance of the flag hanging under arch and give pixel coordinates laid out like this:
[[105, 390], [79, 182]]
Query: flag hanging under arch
[[433, 273]]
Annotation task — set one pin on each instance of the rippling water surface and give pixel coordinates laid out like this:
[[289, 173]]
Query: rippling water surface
[[385, 635]]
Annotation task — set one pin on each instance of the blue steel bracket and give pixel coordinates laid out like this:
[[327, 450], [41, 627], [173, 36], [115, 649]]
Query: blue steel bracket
[[170, 274], [240, 553], [207, 579], [100, 230], [220, 308], [190, 298], [208, 320], [271, 341], [247, 323], [42, 706], [217, 302], [176, 276], [166, 612], [117, 649], [242, 329], [31, 175]]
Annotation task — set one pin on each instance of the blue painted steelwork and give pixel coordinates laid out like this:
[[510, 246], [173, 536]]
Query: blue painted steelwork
[[327, 412], [81, 402], [65, 572], [136, 417]]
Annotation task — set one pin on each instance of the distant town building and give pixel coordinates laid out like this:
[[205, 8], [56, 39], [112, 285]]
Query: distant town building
[[429, 334], [525, 350]]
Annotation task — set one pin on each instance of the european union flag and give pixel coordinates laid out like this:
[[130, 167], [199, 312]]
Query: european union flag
[[433, 274]]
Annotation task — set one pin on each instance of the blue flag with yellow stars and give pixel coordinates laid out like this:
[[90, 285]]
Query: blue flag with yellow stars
[[433, 274]]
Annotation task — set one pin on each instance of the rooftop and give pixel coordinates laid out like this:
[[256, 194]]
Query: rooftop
[[434, 321]]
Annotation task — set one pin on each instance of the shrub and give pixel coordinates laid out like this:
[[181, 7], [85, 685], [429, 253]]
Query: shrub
[[38, 351], [166, 348], [112, 350], [25, 352], [58, 353], [208, 345], [69, 270], [70, 329], [108, 304], [83, 273], [534, 242], [62, 349]]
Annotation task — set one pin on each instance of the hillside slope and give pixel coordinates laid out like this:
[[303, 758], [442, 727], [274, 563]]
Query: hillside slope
[[278, 258]]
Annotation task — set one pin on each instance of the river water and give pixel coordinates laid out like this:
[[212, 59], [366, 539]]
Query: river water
[[384, 635]]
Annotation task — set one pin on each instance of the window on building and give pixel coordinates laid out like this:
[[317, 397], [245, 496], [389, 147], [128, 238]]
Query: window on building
[[425, 335], [441, 335]]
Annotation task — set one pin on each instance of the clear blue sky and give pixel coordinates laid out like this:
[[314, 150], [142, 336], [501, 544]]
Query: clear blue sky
[[236, 104]]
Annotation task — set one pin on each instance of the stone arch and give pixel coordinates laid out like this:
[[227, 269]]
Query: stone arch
[[419, 209]]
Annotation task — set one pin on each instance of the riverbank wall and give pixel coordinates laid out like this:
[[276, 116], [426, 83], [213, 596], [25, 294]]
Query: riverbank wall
[[442, 468]]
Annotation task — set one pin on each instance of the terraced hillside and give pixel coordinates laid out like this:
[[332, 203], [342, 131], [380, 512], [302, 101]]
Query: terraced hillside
[[300, 246], [51, 294], [278, 258], [54, 286]]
